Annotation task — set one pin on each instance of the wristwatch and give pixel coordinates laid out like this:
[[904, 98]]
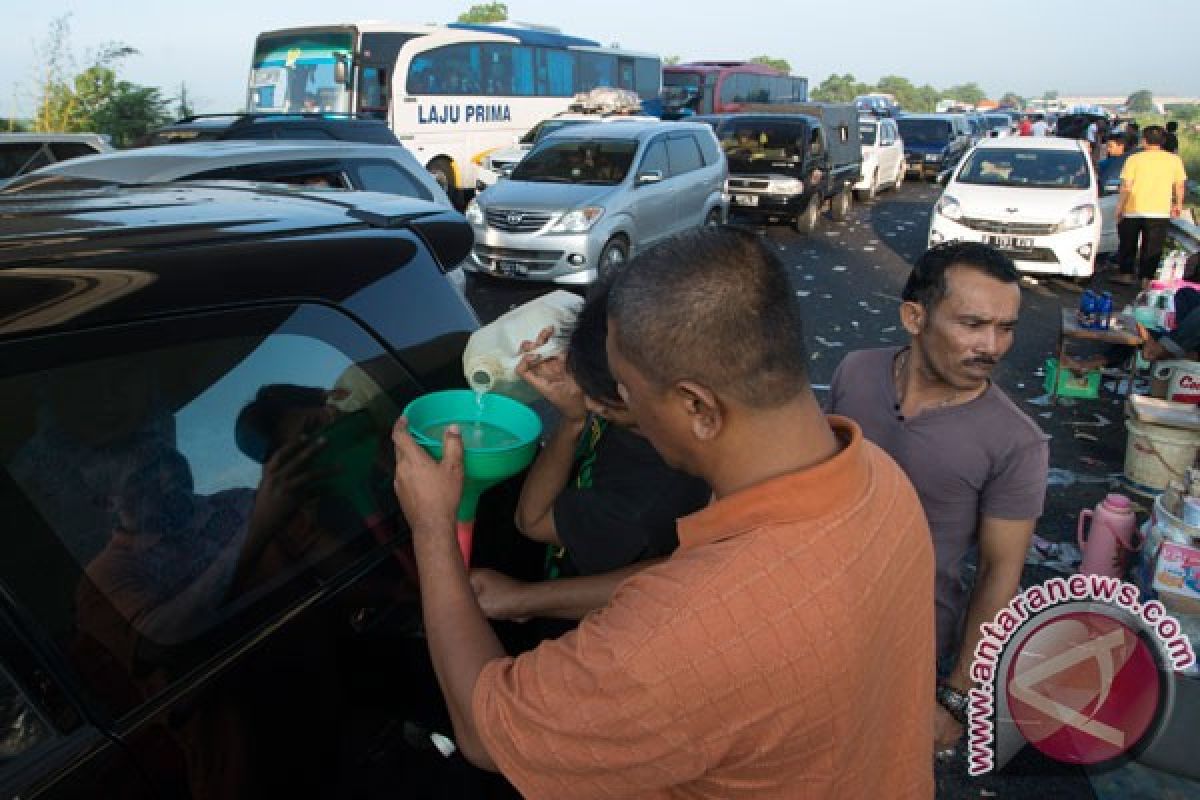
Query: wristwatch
[[954, 701]]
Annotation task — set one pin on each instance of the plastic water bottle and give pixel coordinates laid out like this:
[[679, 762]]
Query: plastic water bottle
[[1088, 309], [494, 351], [1104, 313]]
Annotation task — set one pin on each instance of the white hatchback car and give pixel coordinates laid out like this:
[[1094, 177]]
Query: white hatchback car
[[1034, 198], [883, 164]]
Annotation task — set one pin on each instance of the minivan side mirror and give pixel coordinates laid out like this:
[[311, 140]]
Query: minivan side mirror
[[648, 177]]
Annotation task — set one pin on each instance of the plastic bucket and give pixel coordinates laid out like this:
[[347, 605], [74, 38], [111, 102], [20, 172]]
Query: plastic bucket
[[1182, 379], [1155, 454]]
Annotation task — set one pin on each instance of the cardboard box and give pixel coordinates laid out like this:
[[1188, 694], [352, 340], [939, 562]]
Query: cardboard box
[[1177, 577]]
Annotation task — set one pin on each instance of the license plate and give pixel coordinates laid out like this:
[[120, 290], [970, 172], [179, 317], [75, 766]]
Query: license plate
[[745, 199], [1010, 242], [511, 268]]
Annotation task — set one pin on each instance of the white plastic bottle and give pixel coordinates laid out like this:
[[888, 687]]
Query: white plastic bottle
[[493, 352]]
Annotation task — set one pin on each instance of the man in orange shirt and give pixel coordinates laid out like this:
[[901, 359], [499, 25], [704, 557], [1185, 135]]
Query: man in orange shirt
[[785, 650]]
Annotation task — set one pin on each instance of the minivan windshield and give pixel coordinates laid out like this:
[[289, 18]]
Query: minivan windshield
[[925, 131], [1042, 169], [602, 162], [547, 127], [749, 141], [998, 122]]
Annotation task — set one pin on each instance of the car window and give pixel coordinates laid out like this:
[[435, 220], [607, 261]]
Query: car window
[[178, 485], [66, 150], [316, 174], [382, 176], [655, 158], [302, 132], [1046, 169], [17, 158], [24, 732], [709, 148], [684, 155], [602, 162], [866, 131]]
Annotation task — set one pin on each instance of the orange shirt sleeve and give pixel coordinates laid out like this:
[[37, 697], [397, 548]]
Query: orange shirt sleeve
[[596, 713]]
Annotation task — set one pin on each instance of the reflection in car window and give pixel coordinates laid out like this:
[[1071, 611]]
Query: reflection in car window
[[925, 131], [380, 176], [22, 729], [685, 154], [603, 162], [1050, 169], [753, 140], [198, 489]]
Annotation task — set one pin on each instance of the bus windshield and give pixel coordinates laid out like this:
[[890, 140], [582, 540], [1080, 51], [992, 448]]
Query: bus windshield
[[297, 72], [602, 162], [681, 90]]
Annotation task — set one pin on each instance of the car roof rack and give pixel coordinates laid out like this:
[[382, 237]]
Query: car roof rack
[[240, 117]]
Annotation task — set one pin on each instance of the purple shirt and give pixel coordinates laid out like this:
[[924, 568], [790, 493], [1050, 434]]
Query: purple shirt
[[984, 458]]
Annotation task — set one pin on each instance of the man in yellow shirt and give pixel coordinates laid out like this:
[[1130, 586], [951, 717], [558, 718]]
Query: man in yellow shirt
[[1152, 192]]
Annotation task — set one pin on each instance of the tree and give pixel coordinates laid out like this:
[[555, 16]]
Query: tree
[[484, 13], [1012, 99], [1141, 102], [94, 99], [780, 64], [902, 89], [670, 61], [131, 112], [839, 89], [1050, 94], [183, 103], [968, 93]]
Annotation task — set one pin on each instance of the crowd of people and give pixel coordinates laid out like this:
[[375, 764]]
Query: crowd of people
[[753, 592]]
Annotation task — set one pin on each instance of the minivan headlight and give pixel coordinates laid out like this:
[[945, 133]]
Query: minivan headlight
[[474, 214], [579, 220], [1078, 217], [948, 207]]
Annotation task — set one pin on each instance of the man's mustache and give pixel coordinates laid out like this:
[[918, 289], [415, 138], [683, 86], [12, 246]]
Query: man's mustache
[[983, 361]]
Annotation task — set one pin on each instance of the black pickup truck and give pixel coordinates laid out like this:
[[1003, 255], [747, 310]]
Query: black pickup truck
[[792, 161]]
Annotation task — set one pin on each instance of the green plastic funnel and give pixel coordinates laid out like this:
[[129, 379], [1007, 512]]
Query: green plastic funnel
[[500, 437]]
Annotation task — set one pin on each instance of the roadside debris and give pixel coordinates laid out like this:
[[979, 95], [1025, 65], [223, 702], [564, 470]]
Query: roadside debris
[[1061, 557]]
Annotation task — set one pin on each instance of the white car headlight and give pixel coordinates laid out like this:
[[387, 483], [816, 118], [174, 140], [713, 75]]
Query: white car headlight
[[1078, 217], [474, 214], [579, 220], [948, 207], [786, 186]]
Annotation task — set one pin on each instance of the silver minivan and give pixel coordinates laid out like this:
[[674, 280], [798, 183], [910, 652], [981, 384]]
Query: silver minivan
[[588, 197]]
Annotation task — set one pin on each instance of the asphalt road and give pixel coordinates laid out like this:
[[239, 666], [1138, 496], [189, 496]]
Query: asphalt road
[[849, 276]]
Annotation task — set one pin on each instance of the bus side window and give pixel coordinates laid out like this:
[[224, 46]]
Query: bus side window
[[373, 92], [497, 70], [522, 71], [559, 66]]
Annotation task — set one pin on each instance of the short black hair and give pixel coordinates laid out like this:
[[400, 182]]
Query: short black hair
[[713, 306], [587, 358], [927, 282], [257, 428], [1116, 137], [1172, 126], [1154, 135]]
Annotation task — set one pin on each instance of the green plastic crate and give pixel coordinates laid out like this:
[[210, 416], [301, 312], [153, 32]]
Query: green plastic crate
[[1087, 387]]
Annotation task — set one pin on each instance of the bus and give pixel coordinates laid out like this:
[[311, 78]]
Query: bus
[[451, 93], [719, 87]]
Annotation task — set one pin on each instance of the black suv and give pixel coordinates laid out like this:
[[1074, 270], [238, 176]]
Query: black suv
[[206, 589], [307, 125]]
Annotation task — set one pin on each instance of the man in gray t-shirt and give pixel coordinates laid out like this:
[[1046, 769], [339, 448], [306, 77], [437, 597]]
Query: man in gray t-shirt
[[977, 461]]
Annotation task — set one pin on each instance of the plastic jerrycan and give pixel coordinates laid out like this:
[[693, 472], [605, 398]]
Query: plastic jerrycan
[[1110, 537], [493, 352]]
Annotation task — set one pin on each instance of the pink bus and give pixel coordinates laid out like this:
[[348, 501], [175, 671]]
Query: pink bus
[[721, 87]]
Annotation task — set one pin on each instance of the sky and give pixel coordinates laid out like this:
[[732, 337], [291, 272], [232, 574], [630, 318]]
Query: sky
[[1106, 47]]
